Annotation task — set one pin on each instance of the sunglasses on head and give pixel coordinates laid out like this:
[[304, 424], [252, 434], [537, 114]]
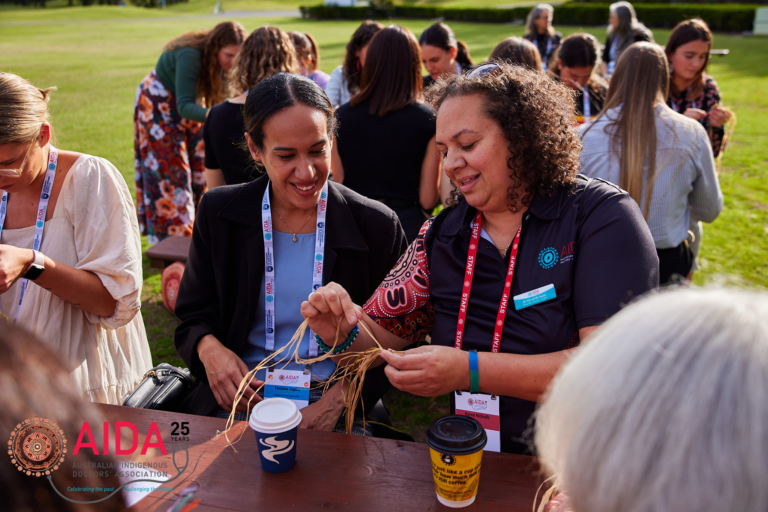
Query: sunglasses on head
[[484, 70]]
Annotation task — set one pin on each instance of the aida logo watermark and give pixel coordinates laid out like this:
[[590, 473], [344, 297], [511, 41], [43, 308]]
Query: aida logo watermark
[[477, 404], [38, 447]]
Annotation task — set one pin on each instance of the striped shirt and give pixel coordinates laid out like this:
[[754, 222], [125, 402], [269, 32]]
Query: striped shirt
[[686, 183]]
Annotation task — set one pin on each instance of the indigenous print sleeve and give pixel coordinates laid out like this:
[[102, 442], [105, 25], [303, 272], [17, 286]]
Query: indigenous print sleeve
[[401, 303]]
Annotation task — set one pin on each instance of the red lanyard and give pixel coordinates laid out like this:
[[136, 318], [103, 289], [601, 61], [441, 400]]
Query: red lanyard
[[469, 272]]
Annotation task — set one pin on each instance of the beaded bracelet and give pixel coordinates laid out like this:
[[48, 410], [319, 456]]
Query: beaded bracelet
[[344, 346]]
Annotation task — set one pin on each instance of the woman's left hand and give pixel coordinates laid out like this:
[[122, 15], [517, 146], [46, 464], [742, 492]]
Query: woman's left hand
[[13, 261], [429, 370], [325, 413], [718, 117]]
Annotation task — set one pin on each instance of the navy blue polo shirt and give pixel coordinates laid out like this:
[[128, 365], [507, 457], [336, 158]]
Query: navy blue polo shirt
[[597, 265]]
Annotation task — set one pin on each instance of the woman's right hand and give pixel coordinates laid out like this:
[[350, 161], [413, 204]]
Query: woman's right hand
[[695, 113], [225, 371], [325, 307]]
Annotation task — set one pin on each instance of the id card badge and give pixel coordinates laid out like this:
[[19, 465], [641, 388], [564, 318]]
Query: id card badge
[[485, 409], [290, 384], [534, 297]]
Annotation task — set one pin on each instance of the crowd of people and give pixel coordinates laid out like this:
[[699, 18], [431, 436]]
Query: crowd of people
[[572, 179]]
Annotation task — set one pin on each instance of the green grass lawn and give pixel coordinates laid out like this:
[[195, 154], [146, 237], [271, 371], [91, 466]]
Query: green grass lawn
[[99, 55]]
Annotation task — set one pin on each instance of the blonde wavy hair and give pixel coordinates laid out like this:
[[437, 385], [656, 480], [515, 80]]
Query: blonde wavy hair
[[23, 109], [266, 52]]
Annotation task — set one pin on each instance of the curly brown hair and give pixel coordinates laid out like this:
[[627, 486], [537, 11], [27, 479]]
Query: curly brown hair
[[536, 115], [266, 52]]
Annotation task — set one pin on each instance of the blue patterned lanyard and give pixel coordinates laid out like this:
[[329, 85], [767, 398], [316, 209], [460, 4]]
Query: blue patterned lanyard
[[546, 55], [42, 210], [587, 109], [270, 262]]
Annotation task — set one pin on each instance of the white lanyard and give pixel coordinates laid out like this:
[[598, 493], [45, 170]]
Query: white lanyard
[[612, 56], [546, 55], [42, 210], [587, 110], [270, 262]]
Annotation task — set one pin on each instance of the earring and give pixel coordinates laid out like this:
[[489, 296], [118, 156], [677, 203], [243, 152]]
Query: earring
[[671, 68]]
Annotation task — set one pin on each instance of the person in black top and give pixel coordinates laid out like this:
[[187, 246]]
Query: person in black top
[[267, 51], [442, 53], [575, 64], [623, 30], [530, 261], [541, 33], [385, 148]]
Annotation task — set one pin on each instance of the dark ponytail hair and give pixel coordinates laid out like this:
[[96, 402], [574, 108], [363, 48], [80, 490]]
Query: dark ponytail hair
[[306, 46], [277, 93], [360, 39], [441, 36], [578, 51]]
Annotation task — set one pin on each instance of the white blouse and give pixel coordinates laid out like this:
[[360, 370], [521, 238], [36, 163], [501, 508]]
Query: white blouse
[[93, 228]]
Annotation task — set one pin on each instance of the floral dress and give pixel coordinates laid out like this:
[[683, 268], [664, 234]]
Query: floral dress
[[169, 155]]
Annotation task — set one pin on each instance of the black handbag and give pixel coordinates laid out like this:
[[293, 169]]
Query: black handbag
[[162, 389]]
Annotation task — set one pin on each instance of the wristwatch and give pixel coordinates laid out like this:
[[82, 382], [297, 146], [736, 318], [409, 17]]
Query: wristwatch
[[36, 268]]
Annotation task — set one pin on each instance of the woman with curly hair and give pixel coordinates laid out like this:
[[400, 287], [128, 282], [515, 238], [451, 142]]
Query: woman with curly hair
[[266, 52], [531, 258], [171, 104]]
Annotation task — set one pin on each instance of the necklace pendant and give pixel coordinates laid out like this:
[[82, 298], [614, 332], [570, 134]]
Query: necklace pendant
[[294, 238]]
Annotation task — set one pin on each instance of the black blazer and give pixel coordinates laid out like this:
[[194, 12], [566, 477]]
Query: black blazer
[[222, 279]]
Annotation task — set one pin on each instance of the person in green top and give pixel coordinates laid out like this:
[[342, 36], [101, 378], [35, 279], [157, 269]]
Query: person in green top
[[171, 105]]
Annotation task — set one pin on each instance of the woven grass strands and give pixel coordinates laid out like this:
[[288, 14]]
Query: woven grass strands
[[351, 366]]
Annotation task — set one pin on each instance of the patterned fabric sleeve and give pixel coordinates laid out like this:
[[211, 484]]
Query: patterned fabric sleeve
[[401, 304], [711, 100]]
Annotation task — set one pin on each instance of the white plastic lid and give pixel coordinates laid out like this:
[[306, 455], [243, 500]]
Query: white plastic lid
[[273, 415]]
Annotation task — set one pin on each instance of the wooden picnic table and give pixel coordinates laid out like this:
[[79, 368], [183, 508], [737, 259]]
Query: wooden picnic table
[[173, 248], [333, 471]]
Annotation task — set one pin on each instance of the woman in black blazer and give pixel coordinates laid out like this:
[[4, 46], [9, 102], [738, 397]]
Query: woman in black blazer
[[221, 299]]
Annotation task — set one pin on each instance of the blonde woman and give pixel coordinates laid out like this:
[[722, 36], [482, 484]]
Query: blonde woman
[[662, 158], [171, 104], [70, 250], [266, 52], [664, 409]]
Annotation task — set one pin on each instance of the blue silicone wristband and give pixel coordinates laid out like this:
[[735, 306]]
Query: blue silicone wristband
[[474, 372]]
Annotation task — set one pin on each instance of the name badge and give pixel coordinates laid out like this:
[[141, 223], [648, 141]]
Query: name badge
[[534, 297], [290, 384], [485, 409]]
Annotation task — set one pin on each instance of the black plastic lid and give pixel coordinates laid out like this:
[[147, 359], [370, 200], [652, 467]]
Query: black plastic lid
[[456, 435]]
